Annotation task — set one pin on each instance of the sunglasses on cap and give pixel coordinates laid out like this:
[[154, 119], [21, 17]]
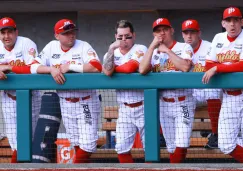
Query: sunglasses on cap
[[126, 37], [68, 28]]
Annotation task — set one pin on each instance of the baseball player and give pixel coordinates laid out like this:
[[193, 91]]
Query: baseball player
[[124, 56], [226, 55], [80, 108], [16, 55], [177, 106], [192, 35]]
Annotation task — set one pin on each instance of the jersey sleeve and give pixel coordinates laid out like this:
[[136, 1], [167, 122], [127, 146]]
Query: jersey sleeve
[[187, 52], [43, 57], [139, 53], [211, 55], [89, 53], [29, 52]]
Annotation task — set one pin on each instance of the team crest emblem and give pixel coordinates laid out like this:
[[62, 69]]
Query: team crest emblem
[[32, 52]]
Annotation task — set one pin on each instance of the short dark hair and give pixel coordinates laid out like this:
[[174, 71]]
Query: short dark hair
[[124, 24]]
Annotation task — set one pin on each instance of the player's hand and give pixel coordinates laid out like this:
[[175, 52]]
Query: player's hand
[[5, 68], [208, 75], [115, 44], [162, 48], [64, 68], [57, 75], [2, 76], [156, 42]]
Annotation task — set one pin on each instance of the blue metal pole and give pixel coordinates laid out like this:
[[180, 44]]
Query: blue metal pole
[[24, 126], [151, 110]]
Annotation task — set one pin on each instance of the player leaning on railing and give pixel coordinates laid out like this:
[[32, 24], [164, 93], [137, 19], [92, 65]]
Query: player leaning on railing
[[124, 56], [191, 33], [226, 55], [177, 106], [80, 109], [16, 54]]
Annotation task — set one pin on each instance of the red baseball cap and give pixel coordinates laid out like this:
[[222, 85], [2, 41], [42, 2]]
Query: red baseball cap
[[7, 22], [232, 12], [161, 22], [190, 25], [64, 25]]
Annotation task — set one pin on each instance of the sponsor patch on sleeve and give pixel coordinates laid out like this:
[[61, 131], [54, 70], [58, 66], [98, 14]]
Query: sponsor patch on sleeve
[[32, 52], [91, 53], [139, 53]]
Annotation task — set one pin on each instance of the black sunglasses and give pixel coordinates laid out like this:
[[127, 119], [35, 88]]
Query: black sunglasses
[[128, 37]]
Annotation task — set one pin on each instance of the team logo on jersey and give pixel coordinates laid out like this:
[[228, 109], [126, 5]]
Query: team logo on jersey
[[91, 53], [18, 54], [219, 45], [229, 56], [32, 52], [171, 66], [198, 68], [156, 68], [139, 53], [17, 63], [56, 56], [162, 66], [1, 56]]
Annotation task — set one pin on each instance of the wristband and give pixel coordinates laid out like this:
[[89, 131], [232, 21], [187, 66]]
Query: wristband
[[76, 68], [34, 67]]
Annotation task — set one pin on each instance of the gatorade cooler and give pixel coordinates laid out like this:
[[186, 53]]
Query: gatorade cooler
[[65, 152]]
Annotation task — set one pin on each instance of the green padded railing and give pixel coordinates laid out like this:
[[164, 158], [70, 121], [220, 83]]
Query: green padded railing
[[150, 83]]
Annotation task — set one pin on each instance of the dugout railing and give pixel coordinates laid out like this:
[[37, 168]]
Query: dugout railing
[[151, 83]]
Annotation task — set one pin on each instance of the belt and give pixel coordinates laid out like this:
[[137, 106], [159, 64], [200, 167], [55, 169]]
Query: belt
[[172, 100], [132, 105], [11, 96], [76, 99], [233, 93]]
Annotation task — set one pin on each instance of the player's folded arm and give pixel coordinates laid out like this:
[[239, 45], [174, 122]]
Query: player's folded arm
[[235, 67], [94, 66], [129, 67], [36, 67]]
